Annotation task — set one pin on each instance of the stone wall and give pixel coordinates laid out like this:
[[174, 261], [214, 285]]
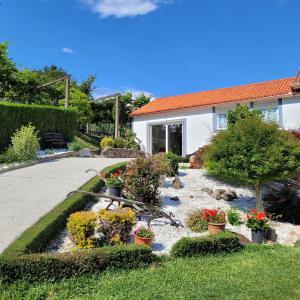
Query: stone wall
[[121, 153]]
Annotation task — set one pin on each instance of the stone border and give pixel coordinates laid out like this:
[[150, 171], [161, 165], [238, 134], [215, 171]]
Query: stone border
[[22, 165]]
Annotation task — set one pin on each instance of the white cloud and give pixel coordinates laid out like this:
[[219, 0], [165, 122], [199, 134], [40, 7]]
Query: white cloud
[[68, 50], [123, 8], [105, 91]]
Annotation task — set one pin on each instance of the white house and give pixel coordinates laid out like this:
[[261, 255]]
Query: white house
[[184, 123]]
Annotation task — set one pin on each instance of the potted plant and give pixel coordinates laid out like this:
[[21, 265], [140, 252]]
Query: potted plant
[[216, 220], [259, 223], [143, 236], [115, 183]]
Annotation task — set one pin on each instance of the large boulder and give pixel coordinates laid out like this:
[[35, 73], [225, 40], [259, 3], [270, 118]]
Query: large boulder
[[196, 159]]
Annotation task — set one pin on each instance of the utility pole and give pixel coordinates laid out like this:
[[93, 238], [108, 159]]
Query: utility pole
[[67, 91]]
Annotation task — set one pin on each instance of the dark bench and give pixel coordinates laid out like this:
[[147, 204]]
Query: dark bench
[[54, 140]]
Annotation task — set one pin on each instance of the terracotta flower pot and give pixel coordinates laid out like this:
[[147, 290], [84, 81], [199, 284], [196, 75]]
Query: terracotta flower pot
[[214, 228], [142, 241]]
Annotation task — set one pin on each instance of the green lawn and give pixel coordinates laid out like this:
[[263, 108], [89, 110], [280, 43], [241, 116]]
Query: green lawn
[[254, 273]]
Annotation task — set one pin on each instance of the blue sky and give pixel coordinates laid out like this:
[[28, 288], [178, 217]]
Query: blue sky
[[164, 47]]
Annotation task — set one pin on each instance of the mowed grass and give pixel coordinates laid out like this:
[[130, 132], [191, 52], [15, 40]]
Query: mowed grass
[[258, 272]]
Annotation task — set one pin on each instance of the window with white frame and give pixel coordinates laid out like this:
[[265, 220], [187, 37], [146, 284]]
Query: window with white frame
[[222, 122], [270, 114]]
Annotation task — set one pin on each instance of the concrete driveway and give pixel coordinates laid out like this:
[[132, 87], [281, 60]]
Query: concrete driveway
[[28, 194]]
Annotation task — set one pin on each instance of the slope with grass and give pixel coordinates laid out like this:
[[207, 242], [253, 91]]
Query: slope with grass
[[258, 272]]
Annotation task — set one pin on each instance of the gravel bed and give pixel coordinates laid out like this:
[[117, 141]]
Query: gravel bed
[[191, 197]]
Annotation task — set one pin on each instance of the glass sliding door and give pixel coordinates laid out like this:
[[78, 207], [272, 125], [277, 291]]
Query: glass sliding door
[[158, 138], [166, 138], [175, 139]]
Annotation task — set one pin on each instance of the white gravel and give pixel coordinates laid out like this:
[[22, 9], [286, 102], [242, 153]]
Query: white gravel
[[191, 197]]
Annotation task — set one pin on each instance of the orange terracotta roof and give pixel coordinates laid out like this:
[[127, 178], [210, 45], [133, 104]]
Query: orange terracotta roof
[[258, 90]]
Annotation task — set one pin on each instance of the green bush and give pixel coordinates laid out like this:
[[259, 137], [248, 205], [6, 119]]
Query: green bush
[[233, 217], [24, 144], [174, 163], [107, 142], [119, 143], [130, 140], [43, 118], [81, 227], [74, 146], [37, 267], [142, 181], [225, 242]]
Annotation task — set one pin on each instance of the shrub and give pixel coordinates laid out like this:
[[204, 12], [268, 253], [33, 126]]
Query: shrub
[[162, 164], [43, 118], [37, 267], [81, 226], [174, 163], [142, 181], [119, 143], [196, 221], [114, 226], [225, 242], [24, 144], [74, 146], [130, 140], [107, 142], [233, 217]]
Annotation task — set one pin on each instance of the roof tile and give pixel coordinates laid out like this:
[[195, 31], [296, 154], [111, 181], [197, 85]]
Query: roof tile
[[259, 90]]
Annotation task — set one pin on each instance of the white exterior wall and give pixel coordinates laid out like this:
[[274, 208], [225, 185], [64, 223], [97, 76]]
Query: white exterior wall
[[291, 113], [199, 125], [197, 128]]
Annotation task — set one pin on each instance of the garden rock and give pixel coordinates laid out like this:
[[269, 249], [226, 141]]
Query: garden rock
[[174, 198], [176, 183], [207, 191], [85, 153], [227, 195], [196, 160]]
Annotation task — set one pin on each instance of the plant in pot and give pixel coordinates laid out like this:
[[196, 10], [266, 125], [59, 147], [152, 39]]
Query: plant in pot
[[259, 223], [115, 184], [216, 220], [143, 236]]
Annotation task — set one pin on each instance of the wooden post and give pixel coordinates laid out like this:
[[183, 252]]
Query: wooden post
[[67, 91], [117, 115]]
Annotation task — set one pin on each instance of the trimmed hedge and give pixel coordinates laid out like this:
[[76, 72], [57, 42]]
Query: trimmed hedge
[[44, 118], [225, 242], [36, 267]]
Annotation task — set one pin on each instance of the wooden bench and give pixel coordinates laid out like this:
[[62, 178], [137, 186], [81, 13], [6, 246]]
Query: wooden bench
[[54, 140]]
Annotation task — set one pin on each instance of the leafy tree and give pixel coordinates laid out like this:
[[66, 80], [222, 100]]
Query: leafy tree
[[8, 71], [253, 152], [87, 86], [81, 102], [240, 113]]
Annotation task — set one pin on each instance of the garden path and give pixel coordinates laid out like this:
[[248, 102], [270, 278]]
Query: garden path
[[29, 193]]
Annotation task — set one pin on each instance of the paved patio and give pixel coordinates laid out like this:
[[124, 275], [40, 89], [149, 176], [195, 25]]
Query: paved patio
[[28, 194]]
